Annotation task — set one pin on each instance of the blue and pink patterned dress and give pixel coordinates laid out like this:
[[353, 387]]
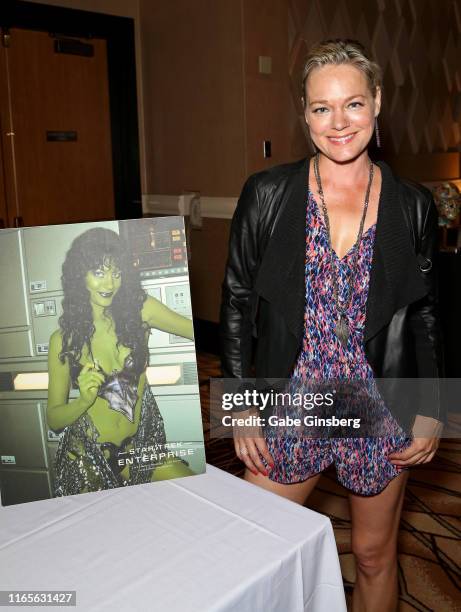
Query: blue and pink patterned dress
[[361, 462]]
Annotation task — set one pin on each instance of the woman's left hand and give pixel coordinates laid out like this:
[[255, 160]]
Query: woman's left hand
[[426, 438]]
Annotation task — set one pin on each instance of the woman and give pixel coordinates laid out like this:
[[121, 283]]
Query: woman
[[331, 262], [101, 349]]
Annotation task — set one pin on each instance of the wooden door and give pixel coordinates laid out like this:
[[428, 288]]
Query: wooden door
[[59, 166], [3, 131]]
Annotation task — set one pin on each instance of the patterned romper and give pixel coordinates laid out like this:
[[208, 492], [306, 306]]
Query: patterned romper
[[361, 462]]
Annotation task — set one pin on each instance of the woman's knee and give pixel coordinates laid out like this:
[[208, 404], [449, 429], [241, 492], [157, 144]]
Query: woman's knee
[[373, 558]]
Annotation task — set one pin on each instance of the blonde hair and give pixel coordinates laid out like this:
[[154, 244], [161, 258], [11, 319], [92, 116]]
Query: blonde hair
[[342, 51]]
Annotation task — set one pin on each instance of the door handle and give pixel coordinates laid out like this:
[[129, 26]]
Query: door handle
[[18, 222]]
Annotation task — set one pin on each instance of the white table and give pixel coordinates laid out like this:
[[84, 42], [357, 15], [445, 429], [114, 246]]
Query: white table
[[208, 543]]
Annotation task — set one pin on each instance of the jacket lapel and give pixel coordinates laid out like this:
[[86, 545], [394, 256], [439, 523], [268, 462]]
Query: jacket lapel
[[280, 279], [395, 279]]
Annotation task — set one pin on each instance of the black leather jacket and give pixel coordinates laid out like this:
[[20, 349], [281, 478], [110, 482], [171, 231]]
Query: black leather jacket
[[264, 287]]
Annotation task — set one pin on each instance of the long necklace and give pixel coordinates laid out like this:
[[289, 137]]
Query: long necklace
[[342, 329]]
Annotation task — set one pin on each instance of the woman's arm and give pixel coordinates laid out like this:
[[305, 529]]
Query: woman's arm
[[425, 324], [157, 315], [243, 257], [235, 317], [60, 412], [425, 318]]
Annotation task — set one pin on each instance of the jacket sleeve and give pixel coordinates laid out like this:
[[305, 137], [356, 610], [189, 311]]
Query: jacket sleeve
[[236, 303], [425, 322]]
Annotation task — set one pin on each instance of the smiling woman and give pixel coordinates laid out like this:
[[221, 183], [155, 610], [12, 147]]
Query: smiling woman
[[101, 350], [103, 284], [324, 266], [340, 110]]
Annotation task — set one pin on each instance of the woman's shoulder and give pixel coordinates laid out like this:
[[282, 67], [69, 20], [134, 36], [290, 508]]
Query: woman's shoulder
[[264, 191], [419, 202], [274, 174], [415, 191], [412, 191], [55, 349], [415, 200], [56, 339]]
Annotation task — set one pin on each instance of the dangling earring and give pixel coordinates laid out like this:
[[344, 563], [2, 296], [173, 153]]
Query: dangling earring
[[377, 136]]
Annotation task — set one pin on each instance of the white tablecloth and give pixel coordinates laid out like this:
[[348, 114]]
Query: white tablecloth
[[208, 543]]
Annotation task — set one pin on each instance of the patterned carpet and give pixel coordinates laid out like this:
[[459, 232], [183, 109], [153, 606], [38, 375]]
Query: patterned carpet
[[430, 533]]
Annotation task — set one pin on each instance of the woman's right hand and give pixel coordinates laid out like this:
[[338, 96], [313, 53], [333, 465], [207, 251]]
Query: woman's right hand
[[250, 445], [89, 381]]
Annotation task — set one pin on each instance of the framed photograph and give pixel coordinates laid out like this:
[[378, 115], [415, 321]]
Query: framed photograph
[[98, 374]]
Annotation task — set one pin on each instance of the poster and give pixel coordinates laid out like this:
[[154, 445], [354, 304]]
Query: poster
[[98, 374]]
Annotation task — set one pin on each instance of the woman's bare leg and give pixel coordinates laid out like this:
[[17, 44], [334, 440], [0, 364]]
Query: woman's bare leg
[[375, 525], [297, 492]]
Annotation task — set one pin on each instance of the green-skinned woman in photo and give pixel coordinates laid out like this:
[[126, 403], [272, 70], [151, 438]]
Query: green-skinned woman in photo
[[101, 349]]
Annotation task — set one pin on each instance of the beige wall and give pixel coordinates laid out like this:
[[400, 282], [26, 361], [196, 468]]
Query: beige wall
[[192, 70], [267, 101], [209, 252], [208, 111]]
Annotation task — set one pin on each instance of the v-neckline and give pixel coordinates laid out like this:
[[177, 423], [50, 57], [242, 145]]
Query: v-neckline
[[330, 246], [100, 366]]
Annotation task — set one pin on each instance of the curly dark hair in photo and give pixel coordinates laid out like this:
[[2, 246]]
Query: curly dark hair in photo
[[90, 251]]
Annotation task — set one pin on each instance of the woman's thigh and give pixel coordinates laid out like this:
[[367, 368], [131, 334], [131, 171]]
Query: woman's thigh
[[375, 519], [297, 492]]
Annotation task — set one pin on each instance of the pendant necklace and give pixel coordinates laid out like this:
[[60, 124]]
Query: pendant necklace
[[342, 329]]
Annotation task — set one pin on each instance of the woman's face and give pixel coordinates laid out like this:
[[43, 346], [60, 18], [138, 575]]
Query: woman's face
[[340, 111], [102, 284]]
